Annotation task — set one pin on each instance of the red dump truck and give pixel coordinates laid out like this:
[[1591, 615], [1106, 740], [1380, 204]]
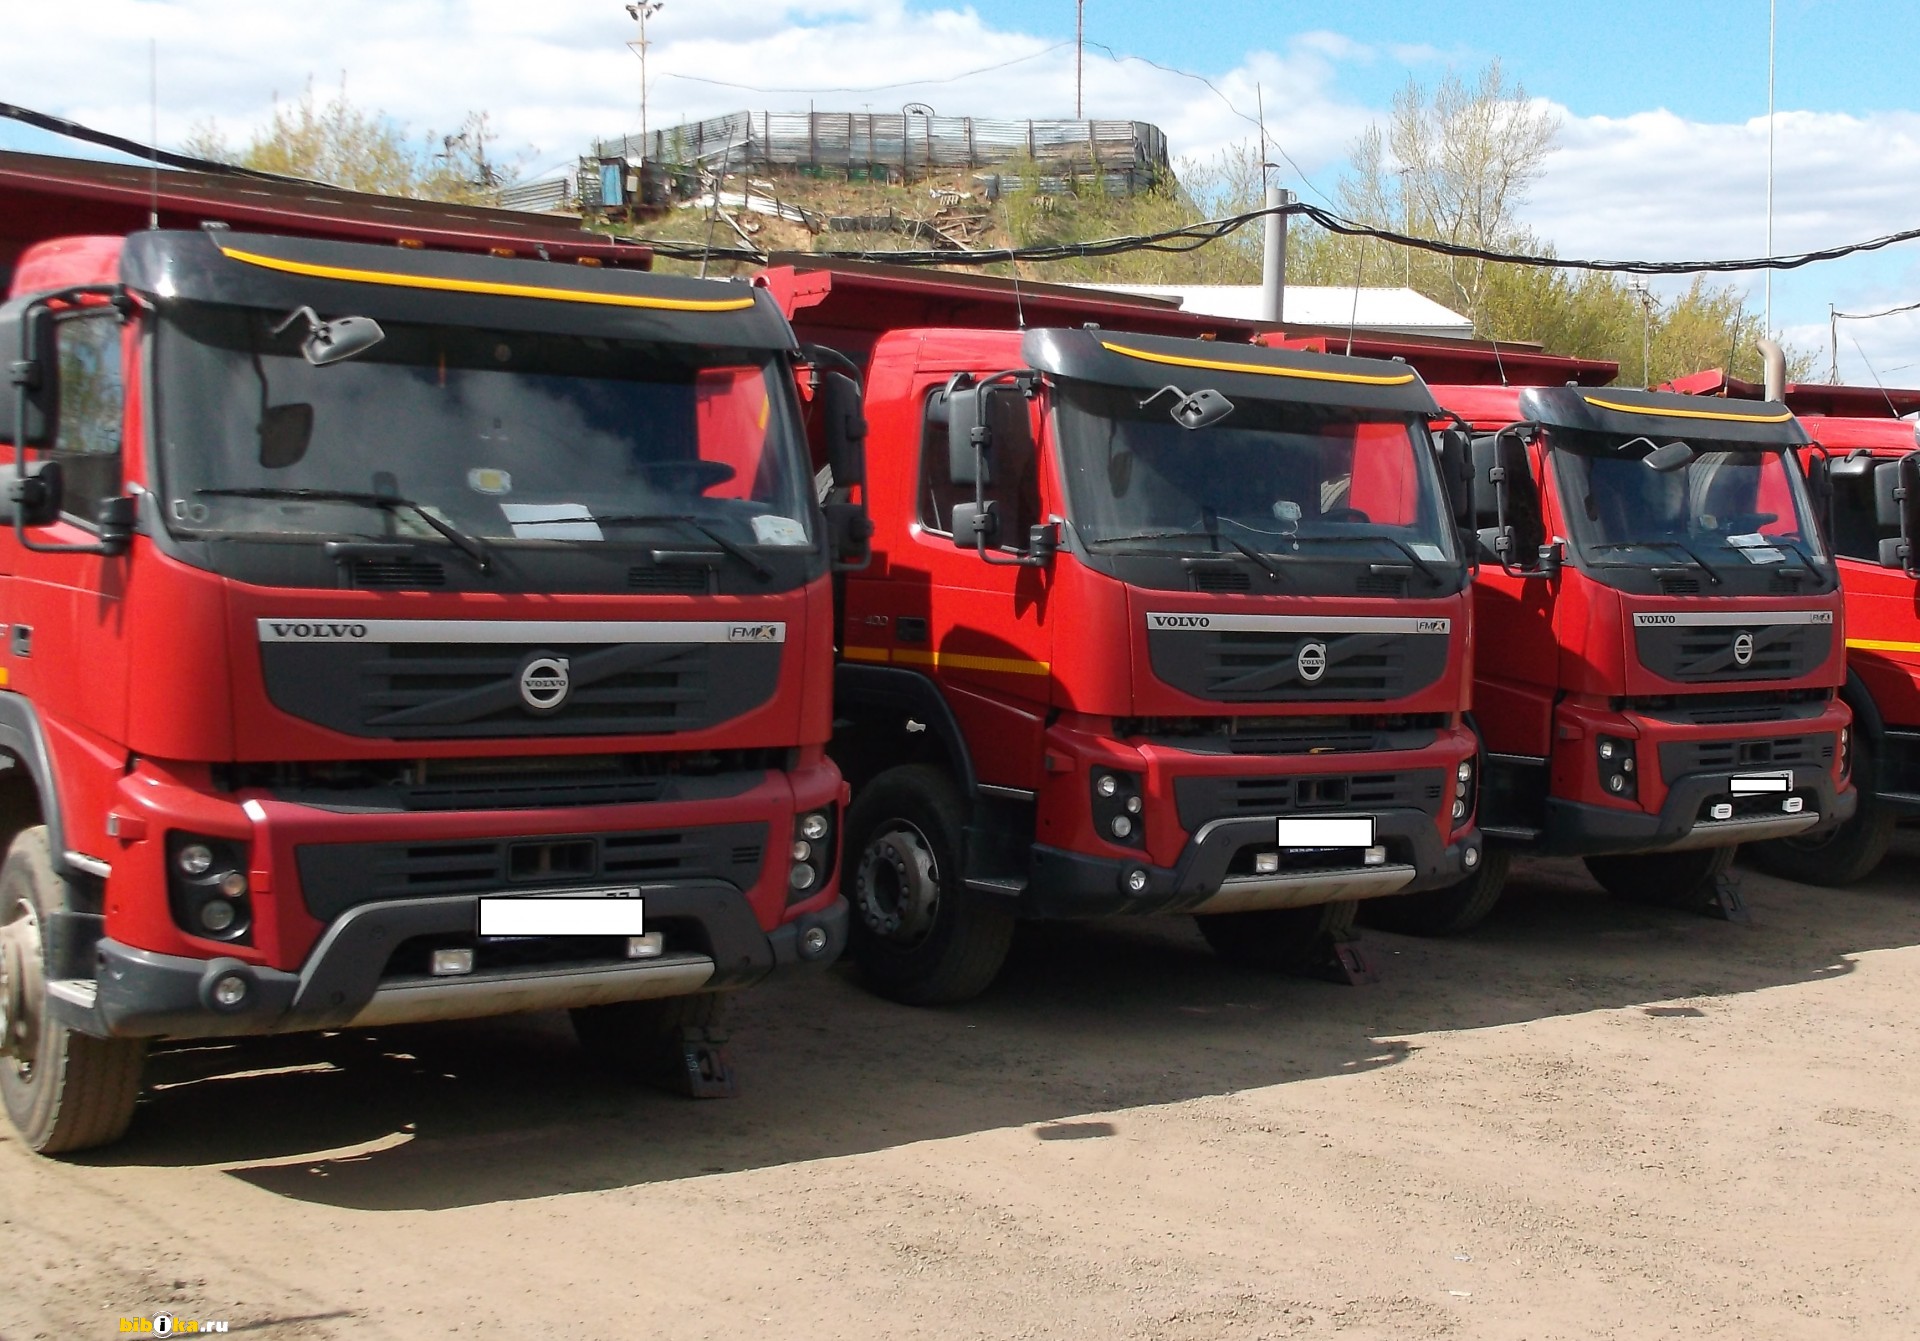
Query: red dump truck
[[357, 594], [1865, 474], [1659, 631], [1155, 624]]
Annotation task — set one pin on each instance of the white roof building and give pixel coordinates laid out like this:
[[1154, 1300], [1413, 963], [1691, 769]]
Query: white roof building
[[1394, 311]]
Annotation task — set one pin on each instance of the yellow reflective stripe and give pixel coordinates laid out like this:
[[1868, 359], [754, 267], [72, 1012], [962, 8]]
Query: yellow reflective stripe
[[1780, 418], [1224, 365], [852, 653], [487, 287], [962, 661], [1879, 645]]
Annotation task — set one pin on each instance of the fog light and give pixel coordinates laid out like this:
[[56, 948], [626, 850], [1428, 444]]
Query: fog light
[[1460, 809], [1460, 788], [1107, 785], [196, 859], [1463, 770], [802, 876], [1720, 810], [814, 827], [813, 942], [216, 916], [1136, 880], [1266, 863], [1121, 826], [1626, 764], [1606, 749], [1616, 783], [802, 849], [230, 991], [1793, 805], [650, 946], [1470, 858], [233, 884], [1133, 805], [1375, 856], [447, 963]]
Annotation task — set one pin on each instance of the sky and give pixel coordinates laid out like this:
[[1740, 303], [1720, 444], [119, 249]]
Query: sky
[[1662, 152]]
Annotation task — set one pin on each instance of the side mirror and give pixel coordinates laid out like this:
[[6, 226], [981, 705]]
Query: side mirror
[[846, 430], [1886, 493], [37, 492], [1455, 449], [1674, 456], [29, 365], [115, 519], [975, 525], [968, 438], [333, 341]]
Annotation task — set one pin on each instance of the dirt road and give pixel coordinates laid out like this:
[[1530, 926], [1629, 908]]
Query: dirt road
[[1585, 1120]]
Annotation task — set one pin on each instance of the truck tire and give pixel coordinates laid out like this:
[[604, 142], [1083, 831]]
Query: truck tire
[[1278, 940], [1666, 879], [1838, 857], [64, 1090], [642, 1039], [918, 934], [1444, 912]]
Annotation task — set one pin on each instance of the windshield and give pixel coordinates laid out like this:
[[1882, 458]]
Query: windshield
[[1273, 476], [502, 435], [1741, 505]]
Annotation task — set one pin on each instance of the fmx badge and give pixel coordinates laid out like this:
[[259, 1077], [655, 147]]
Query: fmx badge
[[165, 1324], [545, 683], [755, 633]]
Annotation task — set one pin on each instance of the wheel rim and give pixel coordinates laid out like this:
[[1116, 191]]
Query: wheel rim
[[897, 885], [21, 985]]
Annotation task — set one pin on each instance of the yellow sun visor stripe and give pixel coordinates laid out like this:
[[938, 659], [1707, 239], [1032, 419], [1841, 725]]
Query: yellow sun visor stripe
[[1226, 365], [907, 656], [1730, 417], [1879, 645], [487, 287]]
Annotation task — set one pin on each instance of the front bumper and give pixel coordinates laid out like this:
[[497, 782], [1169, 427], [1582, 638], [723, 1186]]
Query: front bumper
[[1577, 829], [357, 975], [1066, 884]]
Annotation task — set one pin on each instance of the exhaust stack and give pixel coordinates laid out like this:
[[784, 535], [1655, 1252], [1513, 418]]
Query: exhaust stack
[[1776, 364]]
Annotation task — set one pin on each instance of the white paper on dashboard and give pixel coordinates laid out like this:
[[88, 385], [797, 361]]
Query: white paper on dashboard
[[551, 521]]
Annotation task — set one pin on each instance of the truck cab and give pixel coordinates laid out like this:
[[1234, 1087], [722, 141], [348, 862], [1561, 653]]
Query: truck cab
[[397, 635], [1865, 477], [1154, 625], [1660, 632]]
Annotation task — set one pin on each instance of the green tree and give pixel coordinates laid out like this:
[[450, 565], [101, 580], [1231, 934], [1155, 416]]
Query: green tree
[[349, 146]]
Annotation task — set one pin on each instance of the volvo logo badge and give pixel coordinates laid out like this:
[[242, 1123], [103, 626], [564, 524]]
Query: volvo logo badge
[[1743, 649], [545, 684], [1311, 661]]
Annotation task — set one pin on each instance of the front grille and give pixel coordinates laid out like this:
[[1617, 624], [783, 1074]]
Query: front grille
[[337, 876], [1775, 705], [1244, 667], [536, 782], [1681, 757], [1692, 653], [452, 690], [1198, 800], [396, 574]]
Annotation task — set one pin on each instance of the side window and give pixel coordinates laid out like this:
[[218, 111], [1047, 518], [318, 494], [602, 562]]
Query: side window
[[92, 397], [1855, 532], [1014, 468]]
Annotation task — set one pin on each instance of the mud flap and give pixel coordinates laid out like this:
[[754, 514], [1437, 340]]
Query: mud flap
[[1726, 902], [1347, 964], [705, 1072]]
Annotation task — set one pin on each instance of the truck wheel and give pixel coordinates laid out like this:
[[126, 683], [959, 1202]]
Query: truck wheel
[[1669, 879], [1278, 940], [918, 934], [1838, 857], [1444, 912], [64, 1090], [642, 1039]]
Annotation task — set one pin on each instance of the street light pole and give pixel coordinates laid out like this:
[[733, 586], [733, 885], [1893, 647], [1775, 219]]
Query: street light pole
[[640, 13], [1079, 53]]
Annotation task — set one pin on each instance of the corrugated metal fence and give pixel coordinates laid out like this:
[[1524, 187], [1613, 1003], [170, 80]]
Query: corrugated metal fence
[[1125, 156]]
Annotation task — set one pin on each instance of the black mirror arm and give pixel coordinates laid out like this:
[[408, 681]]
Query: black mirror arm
[[1502, 486]]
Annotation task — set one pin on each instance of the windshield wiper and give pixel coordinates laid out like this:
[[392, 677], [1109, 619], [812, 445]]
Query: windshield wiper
[[1431, 573], [753, 561], [1266, 561], [1712, 573], [1213, 530], [471, 546]]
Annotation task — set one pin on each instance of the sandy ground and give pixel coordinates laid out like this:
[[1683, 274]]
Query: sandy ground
[[1584, 1120]]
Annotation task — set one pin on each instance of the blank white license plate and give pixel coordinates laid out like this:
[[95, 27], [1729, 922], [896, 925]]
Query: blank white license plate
[[1758, 784], [597, 912], [1327, 831]]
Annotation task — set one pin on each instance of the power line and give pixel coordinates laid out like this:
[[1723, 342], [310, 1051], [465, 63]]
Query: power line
[[1869, 316]]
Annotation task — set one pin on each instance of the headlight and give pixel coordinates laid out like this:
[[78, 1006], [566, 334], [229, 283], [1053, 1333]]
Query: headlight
[[207, 888]]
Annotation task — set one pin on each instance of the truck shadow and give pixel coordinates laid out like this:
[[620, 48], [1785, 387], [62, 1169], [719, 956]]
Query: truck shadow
[[1086, 1020]]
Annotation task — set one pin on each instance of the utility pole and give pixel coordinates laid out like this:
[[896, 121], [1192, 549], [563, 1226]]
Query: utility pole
[[1772, 16], [1079, 54], [640, 13], [1642, 291]]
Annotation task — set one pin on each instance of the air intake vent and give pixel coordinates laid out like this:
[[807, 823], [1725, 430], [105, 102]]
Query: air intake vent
[[1784, 584], [1381, 584], [397, 574], [1679, 586], [1222, 579], [647, 577]]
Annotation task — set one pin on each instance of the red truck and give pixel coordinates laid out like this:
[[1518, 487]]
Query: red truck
[[1155, 624], [1659, 635], [1865, 477], [355, 593]]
